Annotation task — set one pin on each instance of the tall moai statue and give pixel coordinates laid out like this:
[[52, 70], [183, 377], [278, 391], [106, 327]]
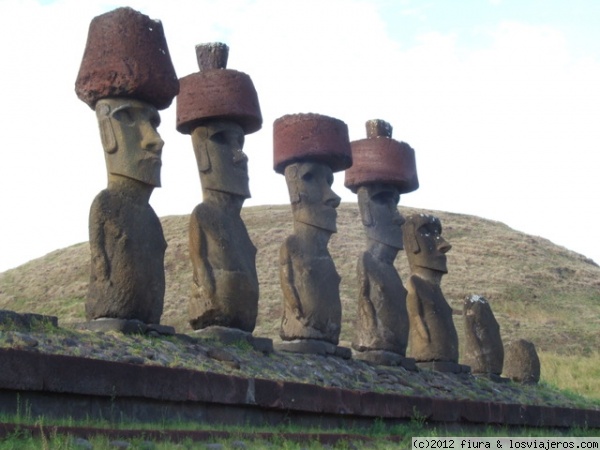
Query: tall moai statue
[[432, 337], [218, 107], [382, 170], [126, 76], [308, 149]]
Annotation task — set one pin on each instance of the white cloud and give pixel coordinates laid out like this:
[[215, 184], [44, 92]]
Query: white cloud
[[505, 128]]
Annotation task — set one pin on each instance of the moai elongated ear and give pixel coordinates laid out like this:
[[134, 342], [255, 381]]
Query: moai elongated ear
[[107, 133], [199, 141], [291, 178], [411, 243], [364, 206]]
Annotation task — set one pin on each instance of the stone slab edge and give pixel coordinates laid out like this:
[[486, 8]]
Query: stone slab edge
[[31, 371]]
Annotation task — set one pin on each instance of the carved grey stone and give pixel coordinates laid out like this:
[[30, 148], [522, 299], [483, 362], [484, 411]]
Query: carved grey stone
[[382, 170], [218, 107], [308, 148], [432, 335], [309, 279], [126, 75], [483, 349], [521, 362], [127, 279]]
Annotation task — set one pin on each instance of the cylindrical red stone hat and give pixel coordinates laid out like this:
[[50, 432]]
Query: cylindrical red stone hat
[[311, 137], [217, 93], [126, 55], [381, 159]]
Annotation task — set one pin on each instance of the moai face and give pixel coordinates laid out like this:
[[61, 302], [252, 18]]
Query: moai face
[[132, 145], [313, 201], [425, 246], [222, 163], [378, 204]]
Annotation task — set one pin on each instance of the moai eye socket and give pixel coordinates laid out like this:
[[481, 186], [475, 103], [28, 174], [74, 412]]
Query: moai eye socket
[[308, 176], [219, 138], [124, 116]]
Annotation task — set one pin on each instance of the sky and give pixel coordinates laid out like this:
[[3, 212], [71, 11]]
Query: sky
[[499, 98]]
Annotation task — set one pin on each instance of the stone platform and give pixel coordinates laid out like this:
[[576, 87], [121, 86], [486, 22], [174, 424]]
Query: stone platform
[[68, 386]]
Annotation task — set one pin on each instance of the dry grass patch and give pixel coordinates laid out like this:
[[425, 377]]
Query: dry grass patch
[[538, 291]]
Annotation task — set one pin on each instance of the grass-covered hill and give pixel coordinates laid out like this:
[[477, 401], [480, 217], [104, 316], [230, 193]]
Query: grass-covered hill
[[538, 291]]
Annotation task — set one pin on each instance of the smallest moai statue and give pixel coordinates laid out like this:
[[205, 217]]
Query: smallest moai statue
[[308, 149], [483, 351], [521, 362], [382, 170]]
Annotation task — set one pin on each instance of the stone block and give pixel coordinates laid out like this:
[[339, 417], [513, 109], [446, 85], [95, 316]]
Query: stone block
[[126, 55], [381, 159], [311, 137]]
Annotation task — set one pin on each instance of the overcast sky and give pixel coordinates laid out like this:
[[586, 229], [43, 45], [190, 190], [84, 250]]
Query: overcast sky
[[500, 100]]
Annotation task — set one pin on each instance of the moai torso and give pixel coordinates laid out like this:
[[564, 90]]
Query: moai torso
[[432, 336], [382, 322], [127, 252], [310, 283], [225, 287], [483, 349]]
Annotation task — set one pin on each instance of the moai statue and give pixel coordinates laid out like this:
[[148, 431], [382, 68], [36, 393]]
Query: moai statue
[[382, 170], [218, 107], [432, 337], [522, 363], [126, 76], [308, 149], [483, 350]]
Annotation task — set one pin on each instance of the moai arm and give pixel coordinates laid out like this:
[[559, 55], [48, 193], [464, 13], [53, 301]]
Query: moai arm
[[416, 310], [100, 264], [286, 276], [203, 271], [364, 294]]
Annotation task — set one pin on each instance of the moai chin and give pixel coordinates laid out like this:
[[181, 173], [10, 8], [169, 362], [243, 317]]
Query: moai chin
[[218, 107], [126, 76], [308, 149], [432, 337], [382, 170]]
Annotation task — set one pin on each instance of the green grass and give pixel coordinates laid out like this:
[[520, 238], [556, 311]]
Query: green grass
[[380, 435], [577, 375]]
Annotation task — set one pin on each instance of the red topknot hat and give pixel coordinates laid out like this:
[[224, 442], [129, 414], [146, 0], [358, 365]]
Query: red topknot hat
[[217, 93], [126, 55], [381, 159], [311, 137]]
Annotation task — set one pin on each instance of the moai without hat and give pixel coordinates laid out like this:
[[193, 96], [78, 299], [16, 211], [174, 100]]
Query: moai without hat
[[382, 170], [521, 362], [308, 149], [218, 107], [483, 350], [432, 337], [126, 76]]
